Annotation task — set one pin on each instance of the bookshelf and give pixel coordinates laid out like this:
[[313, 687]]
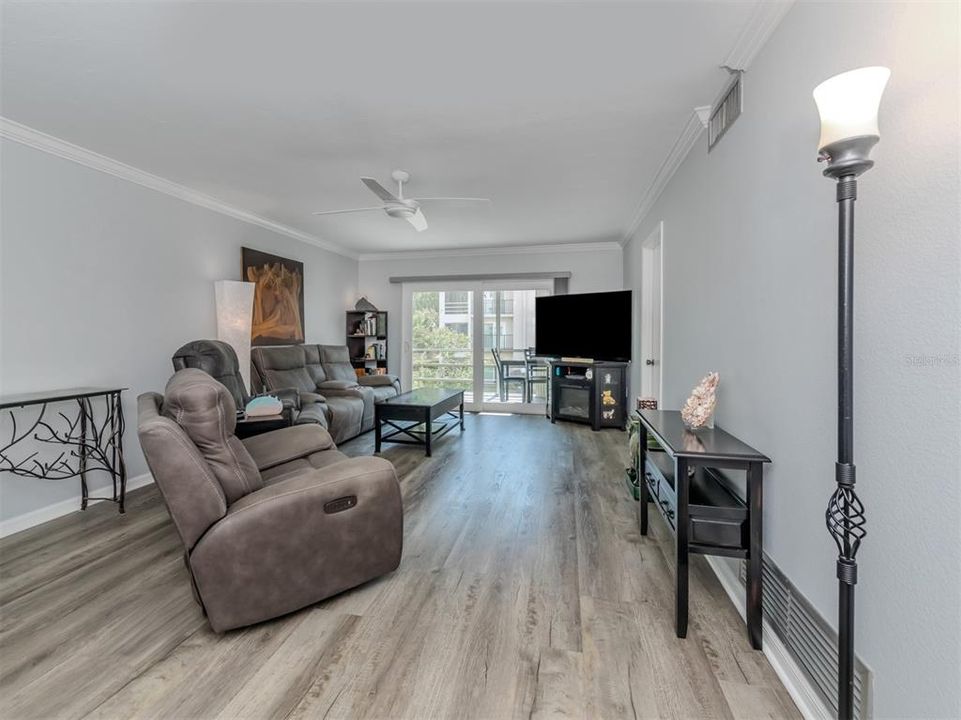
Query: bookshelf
[[364, 331]]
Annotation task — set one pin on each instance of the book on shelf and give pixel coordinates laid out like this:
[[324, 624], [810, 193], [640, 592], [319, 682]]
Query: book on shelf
[[376, 351]]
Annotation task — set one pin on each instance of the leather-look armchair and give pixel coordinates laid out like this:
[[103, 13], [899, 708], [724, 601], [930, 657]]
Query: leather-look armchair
[[219, 360], [270, 524]]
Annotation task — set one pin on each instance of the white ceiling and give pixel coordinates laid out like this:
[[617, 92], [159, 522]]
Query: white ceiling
[[561, 113]]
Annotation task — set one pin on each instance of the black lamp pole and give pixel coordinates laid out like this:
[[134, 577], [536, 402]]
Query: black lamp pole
[[845, 513], [848, 105]]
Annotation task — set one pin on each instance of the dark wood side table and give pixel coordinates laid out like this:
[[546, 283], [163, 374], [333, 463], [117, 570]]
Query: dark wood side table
[[87, 443], [697, 502], [247, 426]]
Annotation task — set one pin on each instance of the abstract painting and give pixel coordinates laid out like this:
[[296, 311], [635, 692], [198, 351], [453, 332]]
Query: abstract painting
[[278, 298]]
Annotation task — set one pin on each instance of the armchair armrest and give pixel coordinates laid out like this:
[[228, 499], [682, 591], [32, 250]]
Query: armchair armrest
[[375, 380], [308, 398], [340, 388], [297, 541], [279, 446]]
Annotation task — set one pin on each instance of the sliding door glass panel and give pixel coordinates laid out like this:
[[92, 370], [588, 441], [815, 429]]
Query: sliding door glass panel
[[476, 337], [510, 375], [442, 352]]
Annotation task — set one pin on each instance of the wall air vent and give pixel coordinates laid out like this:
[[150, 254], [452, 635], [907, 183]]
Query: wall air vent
[[810, 640], [726, 110]]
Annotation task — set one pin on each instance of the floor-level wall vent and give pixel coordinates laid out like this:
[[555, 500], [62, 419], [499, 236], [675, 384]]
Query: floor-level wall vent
[[810, 640]]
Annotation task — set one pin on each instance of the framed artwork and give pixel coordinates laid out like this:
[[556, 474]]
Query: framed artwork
[[278, 317]]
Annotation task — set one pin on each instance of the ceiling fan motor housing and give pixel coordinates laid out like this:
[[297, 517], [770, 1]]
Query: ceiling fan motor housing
[[402, 209]]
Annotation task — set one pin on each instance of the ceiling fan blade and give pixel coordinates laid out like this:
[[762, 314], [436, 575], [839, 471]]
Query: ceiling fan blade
[[352, 210], [417, 220], [379, 190], [459, 199]]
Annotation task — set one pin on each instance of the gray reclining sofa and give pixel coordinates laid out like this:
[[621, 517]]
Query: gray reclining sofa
[[324, 373]]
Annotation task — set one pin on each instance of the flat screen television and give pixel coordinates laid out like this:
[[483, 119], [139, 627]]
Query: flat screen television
[[589, 325]]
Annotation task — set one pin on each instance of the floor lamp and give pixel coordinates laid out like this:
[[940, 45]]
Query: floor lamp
[[848, 104], [235, 301]]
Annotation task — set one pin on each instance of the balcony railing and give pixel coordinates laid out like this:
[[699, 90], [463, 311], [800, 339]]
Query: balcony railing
[[456, 307], [436, 367], [454, 368]]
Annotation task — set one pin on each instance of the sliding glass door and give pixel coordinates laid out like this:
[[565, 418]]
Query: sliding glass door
[[440, 351], [478, 337]]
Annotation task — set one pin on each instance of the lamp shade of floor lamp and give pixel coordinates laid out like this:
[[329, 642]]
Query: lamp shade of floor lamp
[[848, 105], [235, 305]]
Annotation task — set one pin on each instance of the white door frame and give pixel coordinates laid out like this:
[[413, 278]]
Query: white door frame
[[478, 288], [652, 328]]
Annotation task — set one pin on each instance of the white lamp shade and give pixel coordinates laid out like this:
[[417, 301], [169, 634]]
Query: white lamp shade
[[235, 305], [848, 104]]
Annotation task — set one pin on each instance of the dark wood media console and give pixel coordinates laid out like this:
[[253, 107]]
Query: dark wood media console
[[682, 478], [594, 393]]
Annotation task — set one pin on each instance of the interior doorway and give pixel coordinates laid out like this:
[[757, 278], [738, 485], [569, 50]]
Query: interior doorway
[[652, 315]]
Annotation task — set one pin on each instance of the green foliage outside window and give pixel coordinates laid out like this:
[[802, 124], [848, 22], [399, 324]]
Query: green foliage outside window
[[441, 356]]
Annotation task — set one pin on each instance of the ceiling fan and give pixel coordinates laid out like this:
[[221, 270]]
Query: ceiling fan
[[398, 206]]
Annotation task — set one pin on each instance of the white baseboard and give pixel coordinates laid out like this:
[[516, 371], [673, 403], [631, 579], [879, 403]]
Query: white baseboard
[[59, 509], [806, 698]]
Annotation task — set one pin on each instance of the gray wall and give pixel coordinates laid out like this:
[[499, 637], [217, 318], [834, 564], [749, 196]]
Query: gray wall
[[591, 271], [750, 291], [103, 279]]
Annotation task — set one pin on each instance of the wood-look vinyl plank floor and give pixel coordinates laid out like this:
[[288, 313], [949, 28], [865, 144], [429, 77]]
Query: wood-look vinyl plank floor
[[525, 590]]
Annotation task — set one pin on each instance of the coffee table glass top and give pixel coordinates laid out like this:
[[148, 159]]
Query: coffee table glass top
[[423, 397]]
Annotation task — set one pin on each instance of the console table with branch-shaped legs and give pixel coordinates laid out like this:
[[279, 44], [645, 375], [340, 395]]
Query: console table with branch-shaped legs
[[85, 443]]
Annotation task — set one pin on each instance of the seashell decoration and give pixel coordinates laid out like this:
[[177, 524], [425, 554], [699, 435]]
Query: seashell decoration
[[699, 408]]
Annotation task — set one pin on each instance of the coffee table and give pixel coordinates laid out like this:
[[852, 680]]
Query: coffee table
[[421, 409]]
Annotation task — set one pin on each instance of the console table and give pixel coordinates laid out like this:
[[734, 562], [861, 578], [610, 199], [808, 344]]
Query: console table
[[681, 477], [87, 443]]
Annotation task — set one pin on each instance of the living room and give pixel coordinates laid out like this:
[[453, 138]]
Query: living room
[[425, 359]]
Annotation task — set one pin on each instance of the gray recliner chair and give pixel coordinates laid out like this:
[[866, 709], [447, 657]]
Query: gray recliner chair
[[219, 360], [270, 524]]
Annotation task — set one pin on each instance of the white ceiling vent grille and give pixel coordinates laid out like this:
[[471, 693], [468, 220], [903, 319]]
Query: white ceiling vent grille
[[810, 640], [726, 110]]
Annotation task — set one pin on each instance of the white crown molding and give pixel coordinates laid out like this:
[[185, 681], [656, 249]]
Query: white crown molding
[[703, 113], [764, 18], [61, 148], [507, 250], [682, 146]]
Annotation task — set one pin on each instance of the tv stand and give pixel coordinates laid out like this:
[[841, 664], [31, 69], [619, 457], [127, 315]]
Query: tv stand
[[593, 393]]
